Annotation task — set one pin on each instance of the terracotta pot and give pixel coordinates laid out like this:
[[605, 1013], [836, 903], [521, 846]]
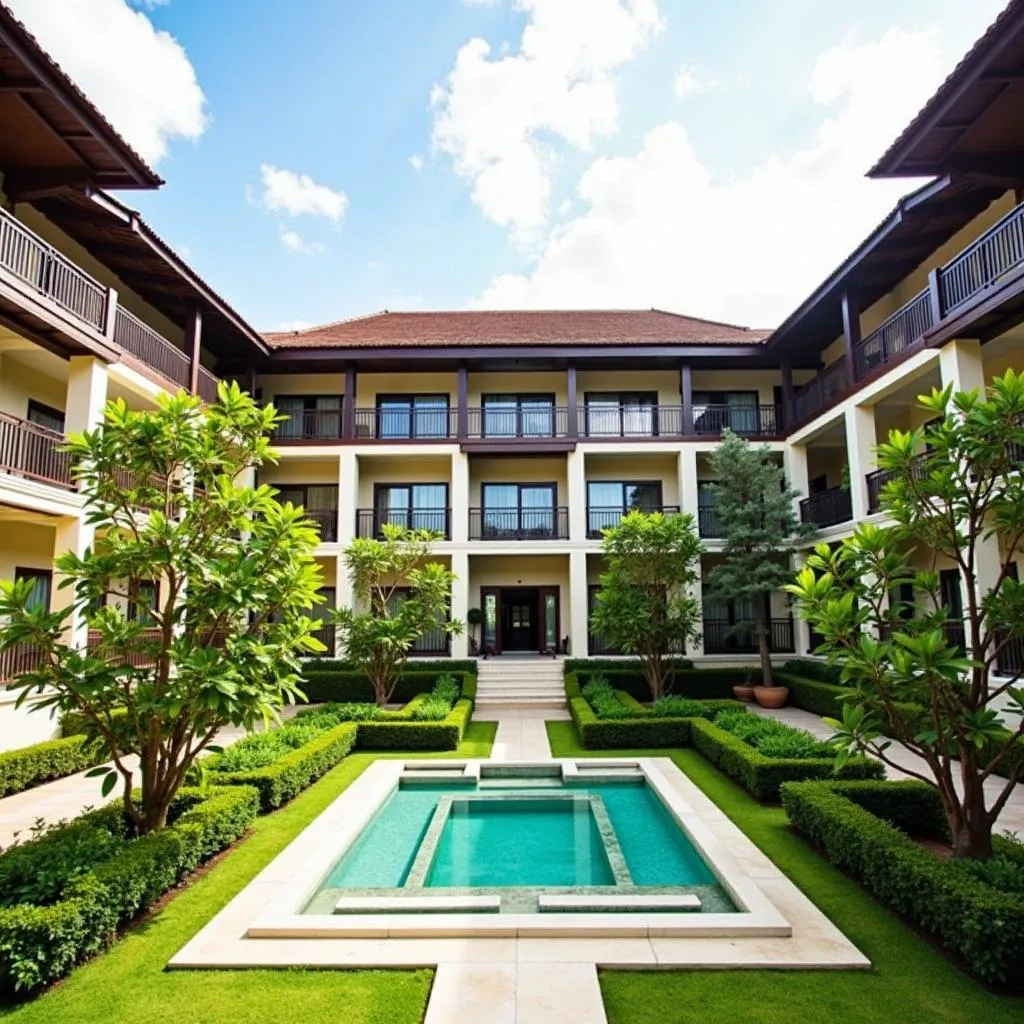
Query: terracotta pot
[[771, 696], [743, 693]]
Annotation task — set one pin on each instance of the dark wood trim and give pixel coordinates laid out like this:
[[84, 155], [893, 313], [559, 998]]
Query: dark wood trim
[[935, 295], [348, 405], [518, 446], [572, 413], [851, 329], [462, 406], [786, 368], [193, 346], [686, 394], [46, 410]]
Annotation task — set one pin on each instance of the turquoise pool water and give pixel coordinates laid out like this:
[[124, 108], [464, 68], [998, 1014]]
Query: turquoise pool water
[[548, 835]]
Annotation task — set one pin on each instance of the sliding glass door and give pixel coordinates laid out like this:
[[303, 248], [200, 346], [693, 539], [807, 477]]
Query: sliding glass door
[[414, 506]]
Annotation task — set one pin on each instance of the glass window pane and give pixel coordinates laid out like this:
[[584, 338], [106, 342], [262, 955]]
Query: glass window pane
[[603, 415], [500, 416], [537, 417], [52, 419], [604, 494], [550, 622], [643, 496], [290, 406], [394, 418], [326, 416], [430, 416], [490, 620], [39, 600], [322, 496]]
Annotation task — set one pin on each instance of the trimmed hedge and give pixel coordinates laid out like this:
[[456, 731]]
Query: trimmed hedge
[[699, 683], [762, 776], [809, 668], [26, 767], [627, 733], [350, 686], [439, 666], [395, 734], [627, 664], [978, 922], [289, 775], [40, 944]]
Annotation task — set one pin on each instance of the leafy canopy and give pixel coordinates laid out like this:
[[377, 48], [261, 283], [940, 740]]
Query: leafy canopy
[[234, 578]]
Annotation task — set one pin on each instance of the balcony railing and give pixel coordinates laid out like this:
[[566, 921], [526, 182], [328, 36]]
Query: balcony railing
[[326, 520], [724, 637], [311, 425], [876, 481], [135, 658], [44, 269], [18, 660], [600, 519], [984, 263], [207, 385], [598, 645], [405, 425], [822, 391], [519, 523], [524, 424], [29, 450], [631, 421], [904, 329], [1010, 659], [370, 520], [708, 523], [827, 508], [746, 420], [149, 347]]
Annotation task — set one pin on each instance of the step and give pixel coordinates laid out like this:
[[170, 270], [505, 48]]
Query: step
[[482, 708], [519, 694]]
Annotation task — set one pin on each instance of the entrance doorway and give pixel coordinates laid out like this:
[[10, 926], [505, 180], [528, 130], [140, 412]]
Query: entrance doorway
[[520, 619]]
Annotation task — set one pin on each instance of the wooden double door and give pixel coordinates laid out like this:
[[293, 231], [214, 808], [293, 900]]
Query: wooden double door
[[520, 619]]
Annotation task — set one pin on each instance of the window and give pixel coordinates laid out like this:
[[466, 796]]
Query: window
[[42, 584], [518, 415], [45, 416], [432, 641], [141, 610], [320, 502], [609, 500], [519, 510], [416, 506], [621, 413], [309, 416], [407, 416], [713, 411]]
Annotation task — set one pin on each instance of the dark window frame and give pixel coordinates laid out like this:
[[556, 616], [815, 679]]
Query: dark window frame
[[28, 572], [43, 409], [309, 401], [519, 397], [410, 398], [644, 399]]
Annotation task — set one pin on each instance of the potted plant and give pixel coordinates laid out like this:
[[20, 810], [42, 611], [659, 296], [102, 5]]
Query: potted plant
[[773, 696], [474, 617], [745, 690]]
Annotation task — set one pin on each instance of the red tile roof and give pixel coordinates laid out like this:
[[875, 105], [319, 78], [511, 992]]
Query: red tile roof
[[517, 327]]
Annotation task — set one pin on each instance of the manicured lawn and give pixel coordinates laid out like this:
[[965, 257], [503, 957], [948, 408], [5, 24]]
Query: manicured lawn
[[128, 984], [911, 982]]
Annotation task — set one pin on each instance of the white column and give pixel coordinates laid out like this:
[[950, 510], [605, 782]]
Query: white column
[[801, 629], [860, 454], [688, 489], [460, 602], [961, 364], [577, 498], [74, 535], [578, 604], [348, 495], [459, 498], [794, 463]]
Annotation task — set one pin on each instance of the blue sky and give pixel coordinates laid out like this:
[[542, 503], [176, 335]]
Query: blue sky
[[706, 158]]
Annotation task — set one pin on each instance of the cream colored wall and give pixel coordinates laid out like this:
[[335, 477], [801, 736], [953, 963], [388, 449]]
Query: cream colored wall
[[79, 255], [762, 381], [522, 571], [898, 417], [400, 471], [370, 385], [829, 461], [526, 383], [300, 384], [28, 545], [638, 468], [19, 383], [1006, 357], [301, 471], [521, 471], [665, 382]]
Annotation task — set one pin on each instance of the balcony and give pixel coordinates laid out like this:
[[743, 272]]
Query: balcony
[[135, 658], [901, 332], [747, 421], [822, 392], [388, 424], [32, 451], [18, 660], [526, 423], [519, 523], [602, 422], [142, 342], [326, 520], [313, 425], [827, 508], [370, 520], [601, 519], [724, 637], [708, 523]]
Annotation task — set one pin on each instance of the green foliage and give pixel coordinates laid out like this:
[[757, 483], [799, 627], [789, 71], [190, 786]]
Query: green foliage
[[754, 506], [808, 668], [345, 712], [323, 686], [593, 665], [29, 766], [198, 658], [644, 606], [432, 709], [1003, 871], [41, 943], [978, 922], [771, 737], [400, 595], [277, 781], [685, 707], [412, 735], [446, 688], [702, 684]]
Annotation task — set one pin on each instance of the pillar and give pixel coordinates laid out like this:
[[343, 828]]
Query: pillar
[[961, 364], [193, 345], [460, 602], [75, 535], [577, 497], [801, 629], [458, 498], [794, 464], [348, 495], [578, 613], [860, 455]]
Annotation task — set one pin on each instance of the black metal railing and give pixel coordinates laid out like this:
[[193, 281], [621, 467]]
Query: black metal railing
[[821, 392], [598, 645], [415, 424], [604, 518], [876, 481], [983, 263], [904, 329], [326, 520], [708, 522], [827, 507], [631, 420], [524, 423], [370, 520], [519, 523], [724, 637], [434, 641], [1010, 659], [311, 425], [746, 420]]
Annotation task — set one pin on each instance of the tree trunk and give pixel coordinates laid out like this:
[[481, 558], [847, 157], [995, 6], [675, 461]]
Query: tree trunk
[[763, 648], [969, 825]]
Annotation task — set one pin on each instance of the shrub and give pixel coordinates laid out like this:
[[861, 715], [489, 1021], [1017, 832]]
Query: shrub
[[29, 766], [977, 921], [335, 713], [289, 774], [701, 684], [817, 696], [402, 734], [348, 685], [761, 775], [446, 688], [771, 737], [39, 944], [808, 668], [589, 665], [433, 709]]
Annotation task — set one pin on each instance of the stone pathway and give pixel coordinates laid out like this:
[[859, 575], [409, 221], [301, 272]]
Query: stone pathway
[[1012, 816]]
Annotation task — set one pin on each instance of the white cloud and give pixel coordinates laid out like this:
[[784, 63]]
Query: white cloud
[[141, 79], [659, 230], [416, 162], [692, 82], [294, 242], [293, 325], [499, 119], [297, 194]]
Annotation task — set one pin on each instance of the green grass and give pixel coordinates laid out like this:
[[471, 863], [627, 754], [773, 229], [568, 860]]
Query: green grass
[[128, 984], [911, 983]]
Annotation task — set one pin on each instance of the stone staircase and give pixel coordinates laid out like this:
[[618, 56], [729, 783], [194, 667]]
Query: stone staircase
[[510, 682]]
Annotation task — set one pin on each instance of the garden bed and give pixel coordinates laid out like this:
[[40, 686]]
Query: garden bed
[[26, 767], [64, 894], [869, 830], [329, 681]]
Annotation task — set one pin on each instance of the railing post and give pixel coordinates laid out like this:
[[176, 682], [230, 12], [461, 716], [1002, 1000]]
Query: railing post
[[851, 332], [110, 314], [935, 295], [348, 414], [572, 413], [194, 341], [686, 428]]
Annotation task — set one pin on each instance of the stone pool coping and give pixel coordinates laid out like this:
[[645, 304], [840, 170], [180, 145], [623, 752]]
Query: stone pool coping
[[776, 926]]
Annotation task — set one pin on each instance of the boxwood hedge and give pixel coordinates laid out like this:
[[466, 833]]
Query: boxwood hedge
[[29, 766], [404, 734], [39, 944], [351, 686], [860, 828]]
